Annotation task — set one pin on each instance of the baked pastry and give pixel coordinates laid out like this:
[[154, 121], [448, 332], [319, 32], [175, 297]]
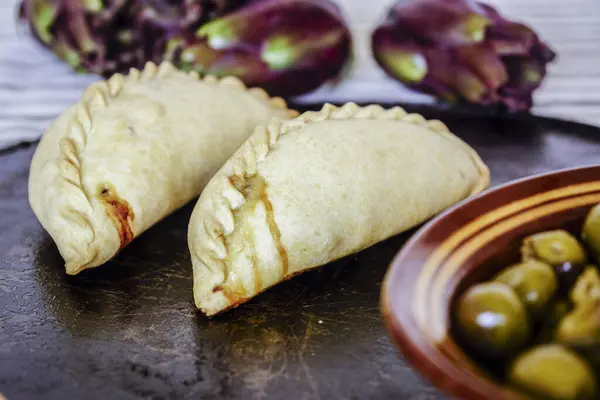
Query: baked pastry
[[304, 192], [133, 150]]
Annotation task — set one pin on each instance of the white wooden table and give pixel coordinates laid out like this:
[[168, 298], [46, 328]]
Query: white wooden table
[[35, 87]]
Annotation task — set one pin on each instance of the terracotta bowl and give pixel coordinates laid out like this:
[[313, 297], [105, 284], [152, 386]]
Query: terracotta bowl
[[467, 244]]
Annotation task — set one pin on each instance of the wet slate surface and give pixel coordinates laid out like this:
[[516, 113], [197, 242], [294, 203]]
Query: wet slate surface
[[129, 329]]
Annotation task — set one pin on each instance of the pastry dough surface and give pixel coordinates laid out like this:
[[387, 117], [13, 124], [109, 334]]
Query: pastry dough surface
[[304, 192], [132, 151]]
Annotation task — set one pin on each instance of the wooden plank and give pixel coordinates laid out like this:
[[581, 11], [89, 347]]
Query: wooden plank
[[34, 86]]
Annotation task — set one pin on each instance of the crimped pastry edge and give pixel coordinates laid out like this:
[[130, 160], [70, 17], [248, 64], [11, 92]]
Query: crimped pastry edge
[[97, 97], [211, 249]]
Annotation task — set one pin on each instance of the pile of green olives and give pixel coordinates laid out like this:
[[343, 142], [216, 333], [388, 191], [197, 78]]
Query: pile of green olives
[[539, 319]]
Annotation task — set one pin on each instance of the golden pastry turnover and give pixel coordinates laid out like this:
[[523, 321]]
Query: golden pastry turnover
[[306, 191], [132, 151]]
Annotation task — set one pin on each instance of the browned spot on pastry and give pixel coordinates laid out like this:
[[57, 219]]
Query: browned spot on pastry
[[254, 192], [120, 213], [237, 182], [234, 291], [275, 231]]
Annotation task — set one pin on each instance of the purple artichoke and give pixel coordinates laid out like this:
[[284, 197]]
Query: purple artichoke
[[462, 50], [288, 47], [109, 36]]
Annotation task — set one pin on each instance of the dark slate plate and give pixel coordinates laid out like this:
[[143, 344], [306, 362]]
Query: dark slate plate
[[129, 329]]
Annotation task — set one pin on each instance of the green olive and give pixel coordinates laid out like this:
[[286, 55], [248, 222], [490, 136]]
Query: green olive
[[492, 319], [582, 325], [587, 287], [554, 372], [591, 230], [554, 248], [559, 249], [534, 282]]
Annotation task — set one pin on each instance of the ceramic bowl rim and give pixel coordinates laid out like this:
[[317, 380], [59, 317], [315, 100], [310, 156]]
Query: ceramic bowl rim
[[437, 368]]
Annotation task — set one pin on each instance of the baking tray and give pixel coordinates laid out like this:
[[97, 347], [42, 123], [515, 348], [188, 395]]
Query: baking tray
[[129, 329]]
